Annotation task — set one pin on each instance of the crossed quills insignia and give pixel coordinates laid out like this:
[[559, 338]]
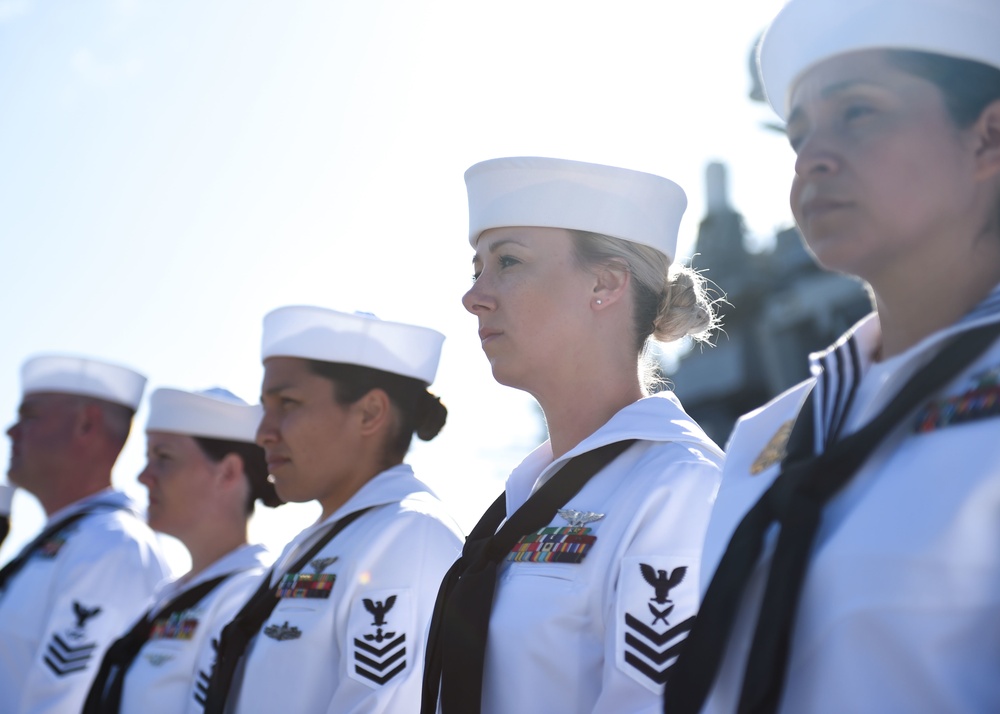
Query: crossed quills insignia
[[70, 650], [657, 603], [378, 626]]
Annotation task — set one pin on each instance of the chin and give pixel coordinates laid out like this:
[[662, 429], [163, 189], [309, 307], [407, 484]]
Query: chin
[[502, 374], [288, 494]]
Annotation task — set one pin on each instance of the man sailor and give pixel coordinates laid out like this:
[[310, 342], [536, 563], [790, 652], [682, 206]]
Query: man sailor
[[93, 569]]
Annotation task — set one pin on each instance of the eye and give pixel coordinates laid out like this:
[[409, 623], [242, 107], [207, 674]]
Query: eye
[[507, 261], [856, 111]]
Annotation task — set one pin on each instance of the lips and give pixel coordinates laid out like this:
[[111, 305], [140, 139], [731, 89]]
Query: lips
[[487, 335], [275, 462], [816, 201], [819, 207]]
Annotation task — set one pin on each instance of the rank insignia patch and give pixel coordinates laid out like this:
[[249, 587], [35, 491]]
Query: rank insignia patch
[[158, 658], [774, 452], [379, 625], [306, 585], [980, 401], [657, 603], [179, 626], [283, 632], [70, 652]]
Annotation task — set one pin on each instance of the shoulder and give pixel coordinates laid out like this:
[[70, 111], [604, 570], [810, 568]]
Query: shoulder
[[117, 527], [112, 534], [661, 420], [422, 514]]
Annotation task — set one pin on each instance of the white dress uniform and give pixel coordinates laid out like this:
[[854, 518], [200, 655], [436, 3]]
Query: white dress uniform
[[349, 634], [599, 635], [165, 675], [898, 611], [71, 600]]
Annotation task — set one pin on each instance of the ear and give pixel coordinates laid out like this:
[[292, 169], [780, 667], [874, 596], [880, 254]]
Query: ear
[[230, 469], [89, 420], [374, 410], [611, 284], [986, 132]]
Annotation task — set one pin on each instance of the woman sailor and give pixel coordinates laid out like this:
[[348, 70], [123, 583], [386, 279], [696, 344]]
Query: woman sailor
[[862, 572], [204, 474]]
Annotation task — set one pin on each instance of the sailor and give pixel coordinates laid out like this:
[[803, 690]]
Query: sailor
[[339, 623], [593, 575], [204, 474], [95, 566], [855, 542]]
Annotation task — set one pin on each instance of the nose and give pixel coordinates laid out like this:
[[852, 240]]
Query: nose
[[478, 298], [145, 477], [267, 431], [13, 429], [815, 155]]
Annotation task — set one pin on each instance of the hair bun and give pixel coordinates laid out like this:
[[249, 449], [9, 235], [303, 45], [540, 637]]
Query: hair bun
[[431, 415], [686, 309]]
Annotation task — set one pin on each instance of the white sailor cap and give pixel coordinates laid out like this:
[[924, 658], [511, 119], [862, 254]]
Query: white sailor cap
[[352, 338], [557, 193], [806, 32], [212, 413], [65, 374]]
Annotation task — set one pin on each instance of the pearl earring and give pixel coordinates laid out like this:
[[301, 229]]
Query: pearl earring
[[600, 302]]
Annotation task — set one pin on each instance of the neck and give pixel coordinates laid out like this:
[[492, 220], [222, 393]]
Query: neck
[[347, 486], [912, 309], [60, 498], [574, 413], [210, 548]]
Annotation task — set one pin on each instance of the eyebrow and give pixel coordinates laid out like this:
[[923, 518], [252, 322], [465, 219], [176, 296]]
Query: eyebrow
[[494, 247], [831, 91], [271, 391]]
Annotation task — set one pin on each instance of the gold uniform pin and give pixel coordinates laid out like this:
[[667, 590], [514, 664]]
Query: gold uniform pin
[[774, 452]]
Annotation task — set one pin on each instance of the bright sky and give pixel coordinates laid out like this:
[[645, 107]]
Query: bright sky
[[171, 171]]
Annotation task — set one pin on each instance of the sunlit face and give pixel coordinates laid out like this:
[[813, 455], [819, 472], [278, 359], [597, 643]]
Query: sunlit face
[[180, 480], [39, 439], [882, 173], [309, 440], [532, 299]]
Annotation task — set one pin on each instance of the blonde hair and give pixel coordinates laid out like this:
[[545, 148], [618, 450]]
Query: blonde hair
[[670, 302]]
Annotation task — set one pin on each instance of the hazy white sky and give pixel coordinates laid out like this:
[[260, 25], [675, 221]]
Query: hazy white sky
[[171, 171]]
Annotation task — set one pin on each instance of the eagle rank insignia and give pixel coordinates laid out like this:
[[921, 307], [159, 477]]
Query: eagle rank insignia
[[378, 628], [657, 601], [71, 650]]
